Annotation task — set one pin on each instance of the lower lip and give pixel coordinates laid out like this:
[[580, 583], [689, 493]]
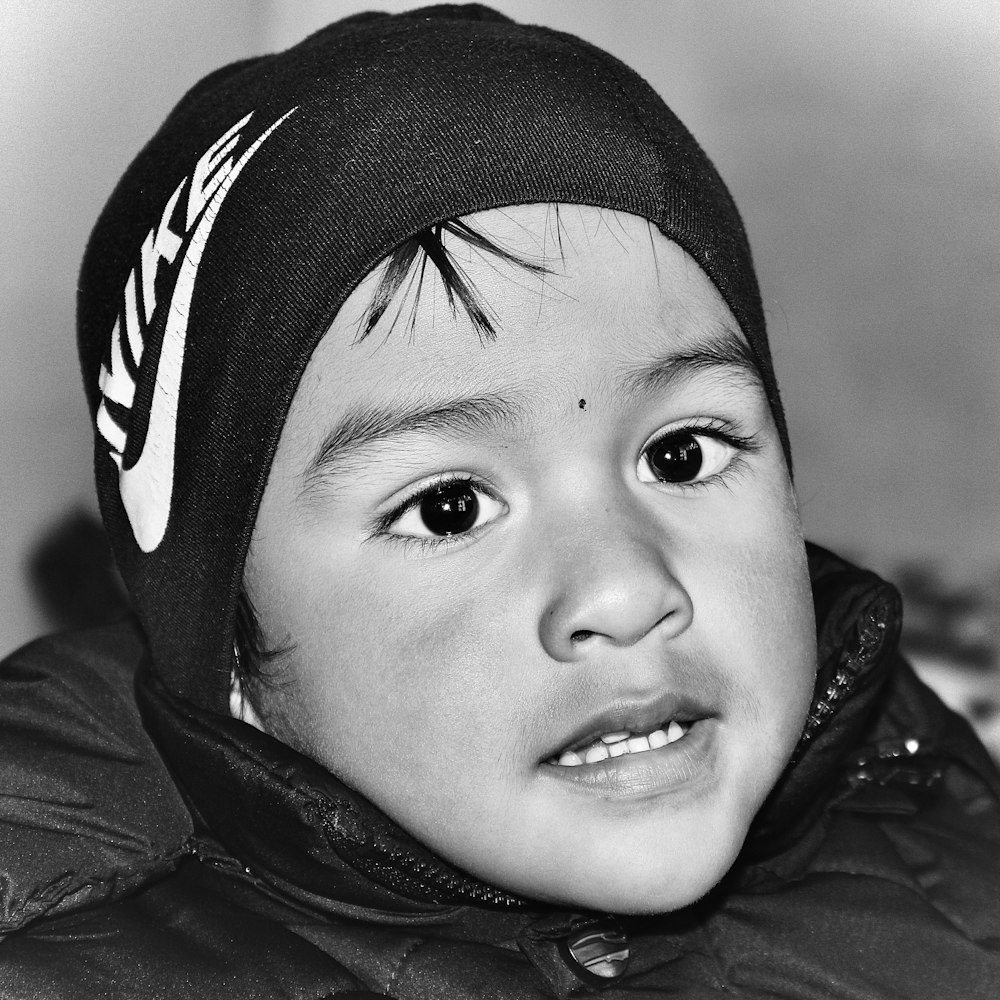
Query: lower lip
[[685, 763]]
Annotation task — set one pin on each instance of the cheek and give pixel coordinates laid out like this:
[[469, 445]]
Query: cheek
[[386, 662], [753, 589], [780, 629]]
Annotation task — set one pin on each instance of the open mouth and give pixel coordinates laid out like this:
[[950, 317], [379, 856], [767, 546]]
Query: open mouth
[[621, 743]]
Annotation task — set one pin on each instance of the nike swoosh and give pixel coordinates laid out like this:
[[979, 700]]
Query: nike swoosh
[[147, 487]]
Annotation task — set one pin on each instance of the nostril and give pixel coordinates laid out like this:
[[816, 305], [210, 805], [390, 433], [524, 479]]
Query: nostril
[[580, 635]]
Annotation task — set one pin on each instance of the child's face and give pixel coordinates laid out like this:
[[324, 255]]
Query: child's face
[[597, 578]]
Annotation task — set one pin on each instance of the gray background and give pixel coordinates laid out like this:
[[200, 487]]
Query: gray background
[[861, 140]]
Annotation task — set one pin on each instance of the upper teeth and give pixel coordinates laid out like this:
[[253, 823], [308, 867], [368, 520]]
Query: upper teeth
[[617, 744]]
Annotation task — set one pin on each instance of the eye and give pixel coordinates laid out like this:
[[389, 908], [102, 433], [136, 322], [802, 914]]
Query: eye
[[454, 507], [685, 456]]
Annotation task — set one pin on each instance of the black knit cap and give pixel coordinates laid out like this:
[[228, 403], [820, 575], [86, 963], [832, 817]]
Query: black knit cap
[[271, 190]]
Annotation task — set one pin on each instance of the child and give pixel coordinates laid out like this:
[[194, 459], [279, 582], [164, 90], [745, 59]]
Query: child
[[481, 656]]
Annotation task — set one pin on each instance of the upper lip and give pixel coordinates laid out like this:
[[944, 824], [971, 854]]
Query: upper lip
[[632, 715]]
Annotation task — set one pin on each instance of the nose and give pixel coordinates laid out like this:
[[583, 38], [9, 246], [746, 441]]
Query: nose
[[612, 585]]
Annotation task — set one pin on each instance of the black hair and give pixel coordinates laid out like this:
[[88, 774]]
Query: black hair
[[251, 654], [408, 263]]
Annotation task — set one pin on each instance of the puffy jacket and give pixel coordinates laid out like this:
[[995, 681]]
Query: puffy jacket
[[150, 850]]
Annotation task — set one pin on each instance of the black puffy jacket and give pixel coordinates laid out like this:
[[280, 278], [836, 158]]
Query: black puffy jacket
[[245, 870]]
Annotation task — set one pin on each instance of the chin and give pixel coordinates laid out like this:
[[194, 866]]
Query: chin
[[675, 891], [655, 882]]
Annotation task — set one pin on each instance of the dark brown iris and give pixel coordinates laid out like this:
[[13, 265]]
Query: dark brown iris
[[450, 510], [676, 458]]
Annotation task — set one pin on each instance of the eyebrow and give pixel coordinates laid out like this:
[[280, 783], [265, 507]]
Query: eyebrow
[[365, 426], [723, 352]]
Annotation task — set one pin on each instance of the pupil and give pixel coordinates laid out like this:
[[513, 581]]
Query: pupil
[[450, 510], [676, 459]]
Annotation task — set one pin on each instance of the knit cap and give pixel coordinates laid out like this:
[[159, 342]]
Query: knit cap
[[271, 190]]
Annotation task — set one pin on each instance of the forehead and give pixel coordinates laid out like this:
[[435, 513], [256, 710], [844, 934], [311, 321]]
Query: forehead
[[615, 295]]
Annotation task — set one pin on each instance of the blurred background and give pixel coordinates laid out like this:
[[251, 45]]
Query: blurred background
[[861, 140]]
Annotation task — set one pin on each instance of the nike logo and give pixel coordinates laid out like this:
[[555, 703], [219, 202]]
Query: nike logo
[[147, 485]]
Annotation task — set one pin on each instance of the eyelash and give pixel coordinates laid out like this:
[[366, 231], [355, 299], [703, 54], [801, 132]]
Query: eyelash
[[716, 429]]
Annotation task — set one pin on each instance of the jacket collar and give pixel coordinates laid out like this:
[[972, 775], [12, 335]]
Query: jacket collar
[[297, 826]]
